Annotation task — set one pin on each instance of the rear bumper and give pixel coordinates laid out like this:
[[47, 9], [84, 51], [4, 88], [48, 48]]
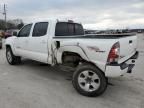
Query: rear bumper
[[116, 70]]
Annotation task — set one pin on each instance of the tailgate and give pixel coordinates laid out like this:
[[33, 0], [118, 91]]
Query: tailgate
[[128, 47]]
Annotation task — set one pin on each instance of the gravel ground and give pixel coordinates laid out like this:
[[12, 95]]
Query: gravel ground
[[33, 85]]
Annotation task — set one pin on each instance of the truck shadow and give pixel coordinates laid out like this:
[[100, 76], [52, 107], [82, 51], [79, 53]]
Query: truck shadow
[[118, 86], [47, 71]]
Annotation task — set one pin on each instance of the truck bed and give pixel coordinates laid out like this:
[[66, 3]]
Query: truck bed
[[110, 36], [127, 41], [101, 36]]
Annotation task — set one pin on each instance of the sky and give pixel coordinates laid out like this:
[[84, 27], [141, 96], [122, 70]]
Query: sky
[[93, 14]]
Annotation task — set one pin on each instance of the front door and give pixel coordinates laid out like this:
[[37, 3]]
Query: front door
[[21, 42]]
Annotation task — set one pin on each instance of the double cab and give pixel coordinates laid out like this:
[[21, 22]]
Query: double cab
[[94, 58]]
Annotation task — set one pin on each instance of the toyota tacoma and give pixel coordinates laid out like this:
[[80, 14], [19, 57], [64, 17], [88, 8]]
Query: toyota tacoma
[[93, 58]]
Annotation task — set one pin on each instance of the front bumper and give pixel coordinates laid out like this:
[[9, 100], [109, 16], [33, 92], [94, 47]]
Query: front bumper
[[116, 70]]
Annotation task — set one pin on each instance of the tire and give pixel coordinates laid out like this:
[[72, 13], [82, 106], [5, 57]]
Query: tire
[[89, 80], [11, 58], [0, 47]]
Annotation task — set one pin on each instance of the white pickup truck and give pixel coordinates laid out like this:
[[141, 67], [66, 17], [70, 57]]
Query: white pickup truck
[[95, 58]]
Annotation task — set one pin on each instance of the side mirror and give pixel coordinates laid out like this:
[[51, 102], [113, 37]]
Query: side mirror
[[15, 33]]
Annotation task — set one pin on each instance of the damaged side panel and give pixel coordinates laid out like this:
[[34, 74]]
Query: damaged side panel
[[69, 48]]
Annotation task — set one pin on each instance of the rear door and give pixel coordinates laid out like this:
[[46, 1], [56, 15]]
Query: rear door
[[38, 42]]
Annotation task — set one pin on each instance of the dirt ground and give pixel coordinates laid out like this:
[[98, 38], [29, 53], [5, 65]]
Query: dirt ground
[[33, 85]]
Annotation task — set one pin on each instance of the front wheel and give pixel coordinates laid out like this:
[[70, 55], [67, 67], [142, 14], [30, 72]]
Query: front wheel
[[89, 80], [11, 58], [0, 46]]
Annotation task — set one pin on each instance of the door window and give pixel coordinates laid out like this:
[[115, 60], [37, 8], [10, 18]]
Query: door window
[[25, 31]]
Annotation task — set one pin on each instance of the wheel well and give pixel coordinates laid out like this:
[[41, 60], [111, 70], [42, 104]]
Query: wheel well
[[69, 53], [8, 46], [73, 59]]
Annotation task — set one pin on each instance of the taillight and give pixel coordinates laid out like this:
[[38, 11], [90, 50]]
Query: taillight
[[114, 54]]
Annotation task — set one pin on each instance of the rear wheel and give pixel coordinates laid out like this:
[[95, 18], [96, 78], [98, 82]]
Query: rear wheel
[[89, 81], [11, 58]]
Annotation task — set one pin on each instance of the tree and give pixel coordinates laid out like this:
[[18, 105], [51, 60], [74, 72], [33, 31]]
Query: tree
[[2, 24], [19, 26], [11, 24]]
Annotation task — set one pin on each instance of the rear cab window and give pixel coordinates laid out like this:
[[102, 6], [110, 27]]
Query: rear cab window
[[68, 29]]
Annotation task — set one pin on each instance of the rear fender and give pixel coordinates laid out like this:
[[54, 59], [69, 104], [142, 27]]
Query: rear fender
[[74, 49]]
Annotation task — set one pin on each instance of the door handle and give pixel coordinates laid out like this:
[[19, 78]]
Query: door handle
[[26, 41], [130, 41], [18, 47], [43, 42]]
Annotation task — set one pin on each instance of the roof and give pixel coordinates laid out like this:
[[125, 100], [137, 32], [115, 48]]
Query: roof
[[54, 20]]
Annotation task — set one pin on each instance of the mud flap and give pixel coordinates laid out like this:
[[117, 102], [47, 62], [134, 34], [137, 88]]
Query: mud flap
[[130, 67]]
